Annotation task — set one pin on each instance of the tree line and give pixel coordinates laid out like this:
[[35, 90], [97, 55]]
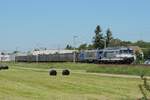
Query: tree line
[[101, 40]]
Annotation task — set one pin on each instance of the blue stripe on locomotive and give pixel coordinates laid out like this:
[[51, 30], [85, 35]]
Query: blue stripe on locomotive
[[81, 56]]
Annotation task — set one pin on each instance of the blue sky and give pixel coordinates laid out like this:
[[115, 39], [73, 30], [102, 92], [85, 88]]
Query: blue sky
[[26, 24]]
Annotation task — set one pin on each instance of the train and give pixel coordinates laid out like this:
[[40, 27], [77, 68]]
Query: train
[[118, 55], [113, 55]]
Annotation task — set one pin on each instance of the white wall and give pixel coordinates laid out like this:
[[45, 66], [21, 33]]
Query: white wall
[[7, 58], [52, 52]]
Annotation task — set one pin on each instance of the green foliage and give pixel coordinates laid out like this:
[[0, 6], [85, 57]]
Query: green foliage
[[90, 47], [142, 44], [98, 41], [86, 47], [145, 88], [146, 52], [15, 52], [139, 58], [115, 42], [120, 69], [82, 47], [69, 47], [36, 49], [126, 43], [112, 69], [108, 37], [2, 53]]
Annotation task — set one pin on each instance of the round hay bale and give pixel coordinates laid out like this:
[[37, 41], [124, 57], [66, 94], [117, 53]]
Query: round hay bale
[[5, 67], [1, 66], [65, 72], [53, 72]]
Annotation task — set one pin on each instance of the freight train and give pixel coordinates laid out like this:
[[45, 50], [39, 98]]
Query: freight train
[[118, 55]]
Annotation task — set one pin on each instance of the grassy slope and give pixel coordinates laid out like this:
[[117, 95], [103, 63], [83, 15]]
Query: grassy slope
[[25, 84]]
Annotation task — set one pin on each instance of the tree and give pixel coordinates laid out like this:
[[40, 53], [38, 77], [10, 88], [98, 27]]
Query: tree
[[15, 52], [126, 43], [144, 88], [108, 37], [83, 47], [2, 53], [36, 49], [146, 52], [115, 42], [98, 41], [69, 47], [139, 57], [90, 47], [142, 44]]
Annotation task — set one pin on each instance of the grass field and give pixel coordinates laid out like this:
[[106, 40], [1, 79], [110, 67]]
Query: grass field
[[112, 69], [30, 81]]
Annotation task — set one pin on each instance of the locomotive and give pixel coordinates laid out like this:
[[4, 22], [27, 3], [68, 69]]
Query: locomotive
[[118, 55]]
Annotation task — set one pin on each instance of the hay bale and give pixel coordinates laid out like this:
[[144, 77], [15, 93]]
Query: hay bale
[[53, 72], [5, 67], [65, 72], [1, 66]]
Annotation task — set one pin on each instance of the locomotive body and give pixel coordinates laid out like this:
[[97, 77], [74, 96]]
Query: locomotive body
[[109, 55]]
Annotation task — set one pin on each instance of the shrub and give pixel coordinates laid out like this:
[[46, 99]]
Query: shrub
[[144, 88]]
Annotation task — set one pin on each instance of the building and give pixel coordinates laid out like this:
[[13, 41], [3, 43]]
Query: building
[[7, 57]]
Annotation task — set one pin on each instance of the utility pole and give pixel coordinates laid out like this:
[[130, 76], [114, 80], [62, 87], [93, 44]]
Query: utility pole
[[38, 52], [37, 58], [74, 53], [104, 40], [104, 43]]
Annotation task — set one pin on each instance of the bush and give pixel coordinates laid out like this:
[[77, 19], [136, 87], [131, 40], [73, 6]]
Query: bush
[[66, 72], [144, 88]]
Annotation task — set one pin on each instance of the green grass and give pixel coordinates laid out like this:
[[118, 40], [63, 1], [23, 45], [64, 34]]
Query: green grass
[[128, 70], [112, 69], [19, 83]]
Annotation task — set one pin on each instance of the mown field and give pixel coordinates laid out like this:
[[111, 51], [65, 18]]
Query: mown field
[[31, 81], [95, 68]]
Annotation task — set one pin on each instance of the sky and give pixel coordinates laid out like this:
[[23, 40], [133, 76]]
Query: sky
[[28, 24]]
